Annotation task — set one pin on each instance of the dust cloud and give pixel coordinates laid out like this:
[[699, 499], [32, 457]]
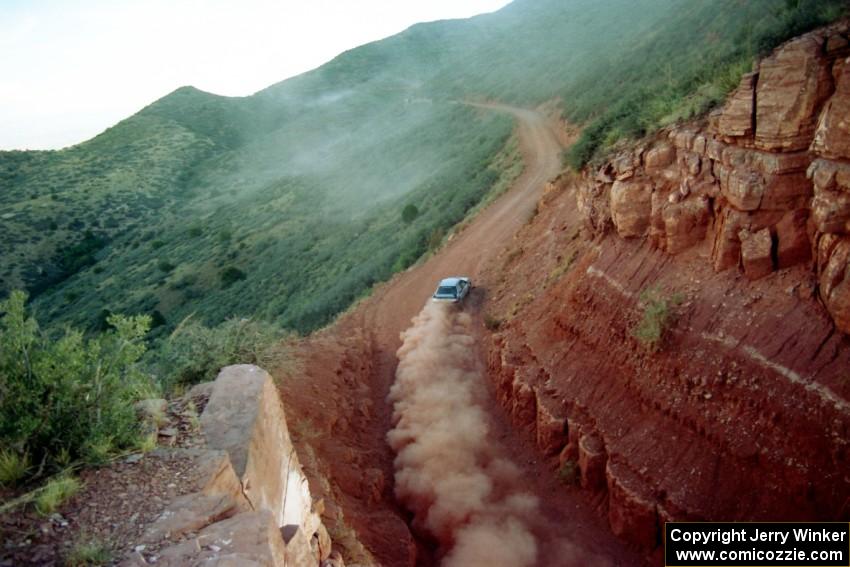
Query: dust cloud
[[448, 470]]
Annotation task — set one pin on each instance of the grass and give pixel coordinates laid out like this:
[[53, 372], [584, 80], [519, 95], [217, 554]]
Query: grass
[[569, 473], [492, 323], [55, 493], [658, 315], [148, 443], [13, 467], [345, 537], [88, 552], [684, 71], [562, 268]]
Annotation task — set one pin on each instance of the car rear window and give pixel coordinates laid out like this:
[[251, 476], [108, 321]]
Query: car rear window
[[447, 290]]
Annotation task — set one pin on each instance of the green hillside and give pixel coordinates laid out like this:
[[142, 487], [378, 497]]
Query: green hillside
[[286, 205]]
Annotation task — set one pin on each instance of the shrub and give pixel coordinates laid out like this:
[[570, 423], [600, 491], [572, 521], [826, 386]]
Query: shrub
[[88, 553], [569, 473], [195, 353], [409, 213], [435, 239], [55, 493], [68, 398], [492, 323], [231, 275], [13, 467], [165, 266], [657, 316]]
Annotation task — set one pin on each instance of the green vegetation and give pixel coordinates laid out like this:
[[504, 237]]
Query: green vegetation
[[56, 492], [658, 311], [683, 68], [66, 398], [287, 206], [195, 353], [562, 268], [492, 323], [88, 552], [13, 467], [409, 213], [569, 473]]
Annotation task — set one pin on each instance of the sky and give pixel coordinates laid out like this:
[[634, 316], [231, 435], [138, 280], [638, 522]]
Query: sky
[[69, 69]]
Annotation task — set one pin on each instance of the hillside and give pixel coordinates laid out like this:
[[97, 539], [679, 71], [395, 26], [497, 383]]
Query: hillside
[[287, 204]]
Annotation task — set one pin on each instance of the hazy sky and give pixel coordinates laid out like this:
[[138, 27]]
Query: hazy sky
[[71, 68]]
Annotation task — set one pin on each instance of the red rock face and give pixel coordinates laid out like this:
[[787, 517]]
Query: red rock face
[[741, 409], [832, 139], [631, 207], [793, 84], [742, 413], [835, 278], [738, 117], [749, 182], [756, 253]]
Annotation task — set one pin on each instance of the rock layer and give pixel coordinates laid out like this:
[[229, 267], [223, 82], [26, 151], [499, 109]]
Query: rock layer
[[253, 506], [774, 157], [740, 408]]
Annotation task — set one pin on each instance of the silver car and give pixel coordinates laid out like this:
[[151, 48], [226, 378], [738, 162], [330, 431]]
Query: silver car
[[452, 290]]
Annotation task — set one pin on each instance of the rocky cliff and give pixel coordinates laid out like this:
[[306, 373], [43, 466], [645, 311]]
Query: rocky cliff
[[734, 234], [766, 181]]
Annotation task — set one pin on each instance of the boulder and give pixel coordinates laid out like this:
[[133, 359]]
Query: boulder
[[756, 253], [592, 459], [217, 495], [793, 245], [832, 137], [773, 163], [632, 514], [551, 427], [524, 408], [190, 513], [742, 187], [737, 118], [593, 204], [299, 547], [631, 207], [245, 418], [685, 223], [793, 83], [570, 450], [831, 203], [834, 278], [726, 248], [659, 157], [250, 538]]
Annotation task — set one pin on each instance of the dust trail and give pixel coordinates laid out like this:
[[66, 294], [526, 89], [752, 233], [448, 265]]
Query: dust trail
[[448, 471]]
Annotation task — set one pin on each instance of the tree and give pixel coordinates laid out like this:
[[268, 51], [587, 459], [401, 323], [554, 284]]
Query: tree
[[409, 213], [231, 275]]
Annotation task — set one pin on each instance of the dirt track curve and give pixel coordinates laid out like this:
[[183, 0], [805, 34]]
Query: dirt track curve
[[345, 395], [489, 232]]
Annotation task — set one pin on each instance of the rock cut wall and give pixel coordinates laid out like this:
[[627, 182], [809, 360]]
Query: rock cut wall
[[766, 181], [742, 409], [253, 505]]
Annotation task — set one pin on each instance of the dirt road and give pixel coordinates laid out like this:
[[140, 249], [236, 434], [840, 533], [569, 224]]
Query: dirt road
[[569, 529], [396, 303], [346, 370]]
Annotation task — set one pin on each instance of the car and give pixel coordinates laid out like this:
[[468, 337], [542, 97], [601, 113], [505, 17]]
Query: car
[[452, 290]]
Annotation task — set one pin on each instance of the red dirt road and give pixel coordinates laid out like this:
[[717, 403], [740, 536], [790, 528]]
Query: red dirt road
[[570, 530], [390, 311]]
